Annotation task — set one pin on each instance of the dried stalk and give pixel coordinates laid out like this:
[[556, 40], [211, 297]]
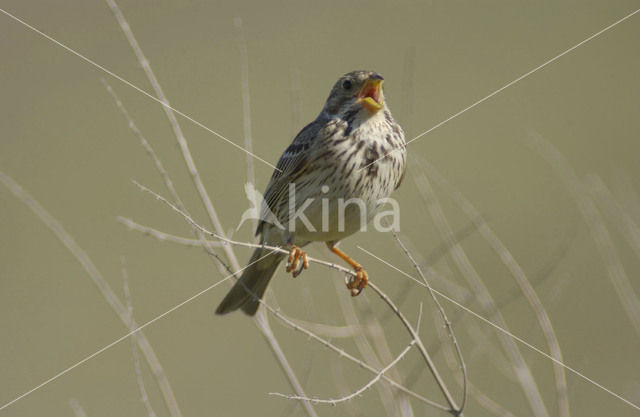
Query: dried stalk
[[103, 287], [260, 319], [522, 371], [136, 356], [596, 224], [523, 282]]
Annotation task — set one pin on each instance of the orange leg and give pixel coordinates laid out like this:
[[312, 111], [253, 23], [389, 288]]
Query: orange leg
[[360, 281], [295, 254]]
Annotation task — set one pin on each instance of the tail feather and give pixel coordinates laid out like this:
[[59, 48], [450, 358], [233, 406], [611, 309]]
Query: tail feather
[[250, 287]]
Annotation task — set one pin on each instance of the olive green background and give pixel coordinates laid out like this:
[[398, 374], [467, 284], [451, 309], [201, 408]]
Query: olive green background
[[64, 140]]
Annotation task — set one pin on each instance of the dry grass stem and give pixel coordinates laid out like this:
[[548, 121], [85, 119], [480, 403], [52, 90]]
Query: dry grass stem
[[260, 319], [175, 126], [522, 371], [356, 393], [616, 213], [596, 224], [164, 174], [103, 287], [78, 411], [134, 347], [246, 102], [166, 237], [523, 283]]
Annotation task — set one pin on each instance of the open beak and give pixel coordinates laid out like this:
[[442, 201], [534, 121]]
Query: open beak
[[370, 95]]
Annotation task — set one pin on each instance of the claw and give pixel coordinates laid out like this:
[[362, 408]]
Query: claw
[[295, 255], [359, 282]]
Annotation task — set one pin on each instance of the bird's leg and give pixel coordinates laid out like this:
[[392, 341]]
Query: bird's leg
[[360, 281], [295, 254]]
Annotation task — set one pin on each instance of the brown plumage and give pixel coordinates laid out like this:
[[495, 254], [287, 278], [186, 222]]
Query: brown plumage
[[353, 150]]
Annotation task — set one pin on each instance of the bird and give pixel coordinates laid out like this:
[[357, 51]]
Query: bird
[[328, 184]]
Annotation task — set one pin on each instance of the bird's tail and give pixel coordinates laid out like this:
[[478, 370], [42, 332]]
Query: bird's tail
[[249, 289]]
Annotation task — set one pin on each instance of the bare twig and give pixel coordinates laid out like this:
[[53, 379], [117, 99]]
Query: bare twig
[[136, 356], [348, 356], [454, 408], [622, 219], [175, 126], [163, 173], [443, 315], [327, 330], [356, 393], [366, 349], [145, 144], [165, 237], [451, 357], [260, 319], [283, 318]]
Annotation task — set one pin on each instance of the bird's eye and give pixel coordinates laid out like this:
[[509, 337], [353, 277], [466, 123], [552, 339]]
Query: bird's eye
[[347, 84]]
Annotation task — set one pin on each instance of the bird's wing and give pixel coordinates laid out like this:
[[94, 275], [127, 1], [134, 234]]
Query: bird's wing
[[292, 164]]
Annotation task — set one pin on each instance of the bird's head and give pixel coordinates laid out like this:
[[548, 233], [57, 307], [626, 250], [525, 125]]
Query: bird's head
[[356, 91]]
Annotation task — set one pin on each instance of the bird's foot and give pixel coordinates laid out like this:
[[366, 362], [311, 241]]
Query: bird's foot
[[359, 282], [295, 255]]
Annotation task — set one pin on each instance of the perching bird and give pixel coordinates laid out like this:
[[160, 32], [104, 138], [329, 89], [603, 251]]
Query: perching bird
[[327, 185]]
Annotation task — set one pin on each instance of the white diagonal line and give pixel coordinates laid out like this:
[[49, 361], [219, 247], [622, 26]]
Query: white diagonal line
[[526, 74], [132, 332], [508, 333], [119, 78]]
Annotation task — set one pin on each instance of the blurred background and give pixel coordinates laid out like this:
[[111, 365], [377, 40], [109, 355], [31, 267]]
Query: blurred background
[[551, 163]]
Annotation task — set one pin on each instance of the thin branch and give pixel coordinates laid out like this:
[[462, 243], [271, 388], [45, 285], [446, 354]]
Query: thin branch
[[228, 242], [165, 237], [443, 315], [175, 126], [260, 319], [327, 330], [366, 349], [136, 356], [280, 316], [454, 408], [163, 173], [346, 355], [145, 144], [356, 393]]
